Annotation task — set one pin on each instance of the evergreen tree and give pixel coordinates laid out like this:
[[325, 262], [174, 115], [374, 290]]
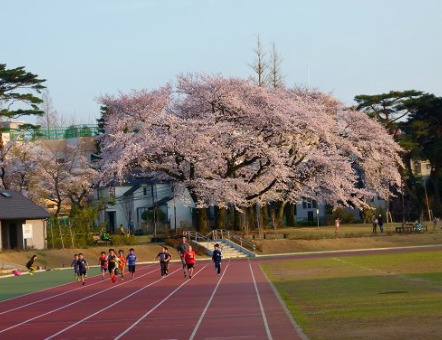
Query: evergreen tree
[[17, 98]]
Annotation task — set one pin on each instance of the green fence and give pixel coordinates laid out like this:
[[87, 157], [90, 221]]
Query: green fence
[[74, 131]]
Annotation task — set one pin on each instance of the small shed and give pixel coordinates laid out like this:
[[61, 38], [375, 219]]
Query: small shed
[[22, 222]]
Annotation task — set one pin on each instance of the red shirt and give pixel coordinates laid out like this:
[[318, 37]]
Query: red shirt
[[189, 257], [103, 262]]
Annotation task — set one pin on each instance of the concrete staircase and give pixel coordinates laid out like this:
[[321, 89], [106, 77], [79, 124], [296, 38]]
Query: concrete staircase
[[227, 250], [231, 245]]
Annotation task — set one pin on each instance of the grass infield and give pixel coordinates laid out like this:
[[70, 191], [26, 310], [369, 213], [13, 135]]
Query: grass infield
[[13, 286], [383, 296]]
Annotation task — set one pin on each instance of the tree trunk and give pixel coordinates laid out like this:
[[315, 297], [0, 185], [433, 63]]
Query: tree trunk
[[222, 218], [281, 210], [434, 177], [290, 215], [236, 220], [201, 224], [264, 216]]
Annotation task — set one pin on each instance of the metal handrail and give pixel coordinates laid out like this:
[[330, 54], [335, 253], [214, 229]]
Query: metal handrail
[[195, 236], [227, 234]]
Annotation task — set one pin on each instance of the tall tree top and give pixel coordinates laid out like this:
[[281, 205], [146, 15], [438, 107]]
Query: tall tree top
[[387, 108], [17, 87]]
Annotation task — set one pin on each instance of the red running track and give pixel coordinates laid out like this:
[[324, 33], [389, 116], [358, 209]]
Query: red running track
[[239, 304]]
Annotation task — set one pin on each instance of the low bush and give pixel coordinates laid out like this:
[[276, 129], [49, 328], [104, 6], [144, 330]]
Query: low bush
[[122, 240]]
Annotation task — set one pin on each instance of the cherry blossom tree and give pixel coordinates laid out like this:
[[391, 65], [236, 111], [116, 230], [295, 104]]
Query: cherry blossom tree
[[64, 176], [19, 164], [230, 141]]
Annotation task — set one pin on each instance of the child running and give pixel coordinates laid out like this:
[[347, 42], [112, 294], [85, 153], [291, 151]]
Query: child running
[[75, 266], [189, 257], [122, 263], [112, 264], [131, 261], [164, 257], [83, 267], [30, 265], [102, 262], [216, 258]]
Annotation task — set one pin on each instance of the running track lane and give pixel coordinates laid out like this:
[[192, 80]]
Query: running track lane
[[229, 306], [36, 320], [245, 307], [213, 307]]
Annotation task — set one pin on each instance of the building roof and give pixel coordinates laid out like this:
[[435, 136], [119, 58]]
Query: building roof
[[15, 206]]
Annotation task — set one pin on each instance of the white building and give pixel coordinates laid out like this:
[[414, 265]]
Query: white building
[[128, 201]]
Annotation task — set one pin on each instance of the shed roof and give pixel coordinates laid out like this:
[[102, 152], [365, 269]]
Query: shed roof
[[15, 206]]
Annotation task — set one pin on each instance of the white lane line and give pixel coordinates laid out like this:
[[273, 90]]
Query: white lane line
[[264, 318], [192, 336], [156, 306], [296, 326], [71, 304], [52, 297], [106, 308]]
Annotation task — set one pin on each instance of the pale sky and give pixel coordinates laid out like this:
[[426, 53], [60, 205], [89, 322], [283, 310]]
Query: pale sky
[[345, 47]]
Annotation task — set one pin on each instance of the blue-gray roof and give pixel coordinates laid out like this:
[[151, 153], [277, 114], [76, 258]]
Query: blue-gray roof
[[15, 206]]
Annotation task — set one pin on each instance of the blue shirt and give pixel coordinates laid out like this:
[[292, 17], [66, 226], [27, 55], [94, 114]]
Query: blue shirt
[[217, 255], [131, 258]]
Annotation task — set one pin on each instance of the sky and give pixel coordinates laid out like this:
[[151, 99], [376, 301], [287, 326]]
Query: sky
[[86, 49]]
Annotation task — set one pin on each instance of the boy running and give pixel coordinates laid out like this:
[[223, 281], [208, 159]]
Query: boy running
[[131, 260], [83, 267], [30, 265], [182, 247], [112, 264], [216, 258], [122, 263], [189, 257], [102, 262], [74, 265], [164, 257]]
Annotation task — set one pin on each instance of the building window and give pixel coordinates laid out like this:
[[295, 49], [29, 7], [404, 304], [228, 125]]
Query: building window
[[145, 191]]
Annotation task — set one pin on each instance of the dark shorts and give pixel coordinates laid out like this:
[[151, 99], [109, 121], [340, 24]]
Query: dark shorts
[[131, 268], [104, 269], [82, 272], [190, 265], [110, 268]]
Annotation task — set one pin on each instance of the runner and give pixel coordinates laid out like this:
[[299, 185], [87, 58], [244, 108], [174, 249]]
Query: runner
[[189, 257], [131, 261], [102, 262], [83, 267], [122, 263], [183, 246], [112, 265]]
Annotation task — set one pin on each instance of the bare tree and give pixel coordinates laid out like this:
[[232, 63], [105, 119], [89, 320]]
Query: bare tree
[[50, 117], [276, 78], [259, 65]]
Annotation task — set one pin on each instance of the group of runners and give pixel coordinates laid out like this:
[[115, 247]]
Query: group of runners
[[111, 262], [115, 264]]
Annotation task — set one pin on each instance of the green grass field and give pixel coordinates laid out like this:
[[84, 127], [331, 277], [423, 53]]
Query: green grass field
[[25, 284], [384, 296]]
